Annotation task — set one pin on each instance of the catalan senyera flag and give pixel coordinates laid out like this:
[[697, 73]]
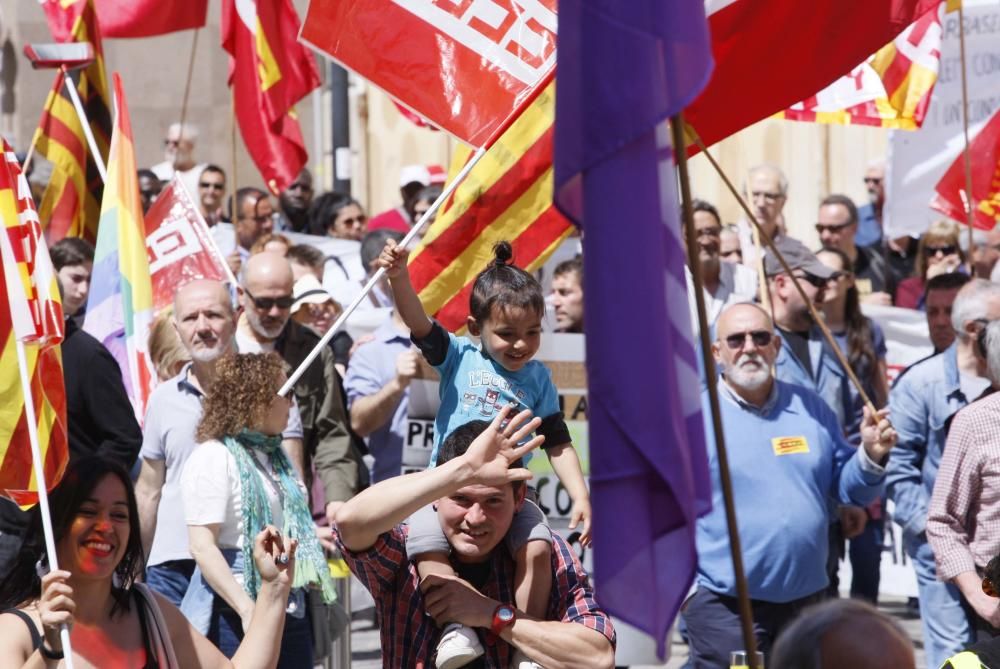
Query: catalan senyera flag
[[270, 72], [120, 305], [72, 201], [507, 196], [32, 318], [892, 89], [984, 153]]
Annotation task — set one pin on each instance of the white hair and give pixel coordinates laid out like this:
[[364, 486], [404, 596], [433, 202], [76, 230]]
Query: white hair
[[993, 352], [971, 303], [773, 169], [190, 131]]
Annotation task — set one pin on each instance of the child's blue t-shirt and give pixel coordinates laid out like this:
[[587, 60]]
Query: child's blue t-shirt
[[475, 387]]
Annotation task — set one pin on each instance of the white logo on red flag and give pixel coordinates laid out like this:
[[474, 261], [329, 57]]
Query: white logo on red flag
[[517, 36]]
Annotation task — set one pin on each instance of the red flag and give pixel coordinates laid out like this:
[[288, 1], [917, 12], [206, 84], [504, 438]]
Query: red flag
[[984, 152], [30, 317], [463, 66], [178, 244], [770, 54], [270, 72], [145, 18]]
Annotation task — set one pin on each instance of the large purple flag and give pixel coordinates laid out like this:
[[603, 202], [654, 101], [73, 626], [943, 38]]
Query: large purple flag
[[624, 68]]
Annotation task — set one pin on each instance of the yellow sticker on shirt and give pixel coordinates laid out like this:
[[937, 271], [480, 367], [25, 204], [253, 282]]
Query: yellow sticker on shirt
[[864, 286], [789, 445]]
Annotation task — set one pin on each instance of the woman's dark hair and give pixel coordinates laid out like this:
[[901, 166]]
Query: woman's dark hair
[[325, 209], [860, 347], [503, 286], [22, 583], [71, 251]]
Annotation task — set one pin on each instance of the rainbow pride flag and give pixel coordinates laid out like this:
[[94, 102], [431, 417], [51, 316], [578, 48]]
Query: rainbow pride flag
[[120, 306]]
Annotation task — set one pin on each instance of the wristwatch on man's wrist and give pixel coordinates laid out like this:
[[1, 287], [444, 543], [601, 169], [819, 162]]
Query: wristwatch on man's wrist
[[503, 616]]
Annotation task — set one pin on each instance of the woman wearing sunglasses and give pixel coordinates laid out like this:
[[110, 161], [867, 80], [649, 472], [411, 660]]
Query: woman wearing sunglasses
[[938, 253]]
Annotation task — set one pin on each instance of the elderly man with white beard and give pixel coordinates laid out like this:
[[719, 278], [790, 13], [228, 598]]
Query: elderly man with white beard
[[790, 467]]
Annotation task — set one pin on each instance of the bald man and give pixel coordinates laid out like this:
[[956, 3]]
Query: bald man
[[266, 325], [789, 464], [205, 323]]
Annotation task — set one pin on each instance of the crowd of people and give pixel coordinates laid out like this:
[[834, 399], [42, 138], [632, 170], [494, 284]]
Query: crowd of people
[[201, 538]]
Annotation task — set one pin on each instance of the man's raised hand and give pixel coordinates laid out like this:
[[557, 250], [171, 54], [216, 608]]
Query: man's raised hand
[[492, 452], [877, 435]]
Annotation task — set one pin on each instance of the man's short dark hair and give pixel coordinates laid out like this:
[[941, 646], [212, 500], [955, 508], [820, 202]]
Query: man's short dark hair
[[707, 207], [149, 174], [373, 243], [242, 195], [306, 254], [457, 443], [845, 202], [214, 168], [948, 281], [70, 251], [574, 264]]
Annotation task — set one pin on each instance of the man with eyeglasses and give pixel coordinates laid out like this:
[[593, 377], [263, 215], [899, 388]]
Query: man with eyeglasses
[[211, 194], [253, 220], [870, 215], [806, 358], [837, 225], [178, 154], [266, 325], [789, 462], [922, 401], [767, 192]]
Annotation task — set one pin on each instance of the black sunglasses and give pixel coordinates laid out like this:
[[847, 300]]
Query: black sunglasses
[[816, 281], [737, 340], [212, 186], [267, 303], [945, 250]]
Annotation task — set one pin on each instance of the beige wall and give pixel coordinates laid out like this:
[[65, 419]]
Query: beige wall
[[817, 159]]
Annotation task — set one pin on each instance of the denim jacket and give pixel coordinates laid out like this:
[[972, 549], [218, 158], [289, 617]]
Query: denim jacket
[[828, 379], [920, 403]]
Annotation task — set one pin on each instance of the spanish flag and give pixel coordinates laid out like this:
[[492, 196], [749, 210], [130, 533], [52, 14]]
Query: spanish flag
[[507, 196], [71, 204], [31, 318], [270, 72]]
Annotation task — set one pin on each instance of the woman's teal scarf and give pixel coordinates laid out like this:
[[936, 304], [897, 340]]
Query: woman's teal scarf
[[310, 563]]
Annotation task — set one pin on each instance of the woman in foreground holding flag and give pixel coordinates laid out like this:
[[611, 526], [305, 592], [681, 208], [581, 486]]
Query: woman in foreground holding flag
[[118, 622]]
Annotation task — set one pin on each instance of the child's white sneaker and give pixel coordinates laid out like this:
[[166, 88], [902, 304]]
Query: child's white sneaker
[[521, 661], [458, 646]]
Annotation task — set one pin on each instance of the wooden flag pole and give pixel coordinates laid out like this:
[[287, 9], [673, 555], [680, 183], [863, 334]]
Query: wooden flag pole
[[233, 214], [711, 379], [40, 484], [82, 115], [414, 231], [969, 202], [187, 91], [766, 238]]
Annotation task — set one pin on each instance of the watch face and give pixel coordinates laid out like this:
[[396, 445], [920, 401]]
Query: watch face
[[505, 614]]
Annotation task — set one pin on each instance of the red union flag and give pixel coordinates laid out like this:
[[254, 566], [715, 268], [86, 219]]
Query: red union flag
[[984, 152], [464, 65]]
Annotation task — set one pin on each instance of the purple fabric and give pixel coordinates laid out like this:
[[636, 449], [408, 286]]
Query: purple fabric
[[624, 68]]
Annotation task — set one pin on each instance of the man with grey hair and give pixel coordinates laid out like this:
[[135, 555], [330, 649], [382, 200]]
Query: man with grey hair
[[962, 524], [205, 323], [921, 401], [178, 154], [766, 191], [842, 633], [789, 455]]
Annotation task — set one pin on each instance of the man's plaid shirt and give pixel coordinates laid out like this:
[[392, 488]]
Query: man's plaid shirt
[[409, 636]]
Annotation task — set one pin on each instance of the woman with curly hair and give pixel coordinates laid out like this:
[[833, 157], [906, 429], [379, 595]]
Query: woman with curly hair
[[115, 621], [237, 480]]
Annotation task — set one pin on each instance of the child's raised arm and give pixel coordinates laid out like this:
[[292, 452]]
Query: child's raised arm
[[393, 258]]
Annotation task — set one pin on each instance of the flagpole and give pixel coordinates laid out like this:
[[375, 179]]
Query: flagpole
[[40, 484], [711, 379], [765, 295], [414, 231], [969, 204], [233, 214], [187, 91], [82, 115], [788, 270]]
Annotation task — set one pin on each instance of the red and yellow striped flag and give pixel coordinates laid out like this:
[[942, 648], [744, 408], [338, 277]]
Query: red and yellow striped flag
[[71, 204], [892, 89], [507, 196], [31, 318]]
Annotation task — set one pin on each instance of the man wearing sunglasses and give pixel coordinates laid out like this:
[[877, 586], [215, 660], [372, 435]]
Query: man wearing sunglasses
[[837, 225], [266, 325], [789, 462], [211, 194], [806, 358]]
